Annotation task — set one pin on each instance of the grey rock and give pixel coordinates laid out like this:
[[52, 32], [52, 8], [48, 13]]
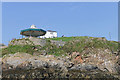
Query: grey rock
[[23, 41], [86, 67], [28, 41], [37, 41], [57, 43], [3, 46]]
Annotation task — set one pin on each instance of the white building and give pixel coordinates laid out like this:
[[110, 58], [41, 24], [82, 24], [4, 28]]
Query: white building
[[49, 34]]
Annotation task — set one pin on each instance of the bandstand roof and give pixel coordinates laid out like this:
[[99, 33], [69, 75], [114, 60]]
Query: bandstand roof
[[33, 32]]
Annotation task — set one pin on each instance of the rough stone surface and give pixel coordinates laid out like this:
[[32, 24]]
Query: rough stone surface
[[24, 41], [85, 62], [37, 41], [58, 43], [23, 65], [3, 46], [28, 41]]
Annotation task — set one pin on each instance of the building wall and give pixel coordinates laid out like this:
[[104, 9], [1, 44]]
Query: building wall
[[49, 35]]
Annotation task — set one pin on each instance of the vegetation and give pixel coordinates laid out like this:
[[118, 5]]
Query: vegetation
[[81, 44], [18, 48], [67, 38], [77, 44], [53, 50]]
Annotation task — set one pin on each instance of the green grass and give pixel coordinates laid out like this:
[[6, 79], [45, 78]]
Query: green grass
[[79, 44], [67, 38], [61, 38], [73, 44], [17, 48], [53, 50]]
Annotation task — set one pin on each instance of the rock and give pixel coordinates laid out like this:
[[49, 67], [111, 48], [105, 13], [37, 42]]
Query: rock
[[84, 67], [23, 65], [75, 54], [50, 56], [78, 59], [44, 54], [6, 66], [23, 41], [36, 54], [28, 41], [69, 65], [117, 65], [3, 46], [89, 61], [57, 43], [37, 41], [90, 67], [102, 38]]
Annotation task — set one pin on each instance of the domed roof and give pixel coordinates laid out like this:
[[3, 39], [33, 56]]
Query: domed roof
[[33, 31], [33, 26]]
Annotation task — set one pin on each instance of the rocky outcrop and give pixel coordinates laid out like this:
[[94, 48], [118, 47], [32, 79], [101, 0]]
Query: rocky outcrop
[[105, 60], [77, 58], [23, 41], [2, 46], [23, 65], [28, 41], [57, 43], [27, 61], [35, 41]]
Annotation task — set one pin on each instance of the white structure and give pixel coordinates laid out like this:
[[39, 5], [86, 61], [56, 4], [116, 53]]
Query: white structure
[[33, 27], [49, 34]]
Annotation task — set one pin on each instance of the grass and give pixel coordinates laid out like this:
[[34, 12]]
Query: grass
[[66, 38], [26, 39], [18, 48], [81, 43], [52, 49], [73, 44]]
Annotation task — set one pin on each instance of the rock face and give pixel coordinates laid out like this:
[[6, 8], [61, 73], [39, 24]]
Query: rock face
[[28, 41], [3, 46], [24, 41], [77, 58], [23, 65], [118, 65], [58, 43], [37, 41], [26, 61]]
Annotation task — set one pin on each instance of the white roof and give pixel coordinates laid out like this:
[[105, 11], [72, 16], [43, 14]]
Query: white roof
[[33, 27], [51, 31]]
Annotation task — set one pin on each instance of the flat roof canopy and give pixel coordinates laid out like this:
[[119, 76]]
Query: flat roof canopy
[[33, 32]]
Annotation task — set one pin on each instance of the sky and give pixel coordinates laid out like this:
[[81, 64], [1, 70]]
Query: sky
[[96, 19]]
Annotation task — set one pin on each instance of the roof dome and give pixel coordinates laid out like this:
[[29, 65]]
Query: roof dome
[[33, 31], [33, 26]]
